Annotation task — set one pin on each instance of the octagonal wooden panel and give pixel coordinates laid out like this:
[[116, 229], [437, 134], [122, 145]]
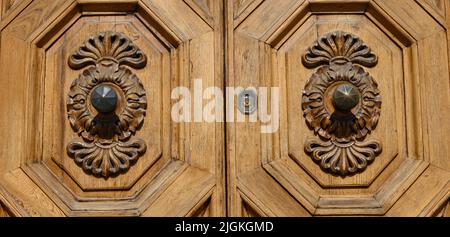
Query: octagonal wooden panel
[[388, 74], [59, 78]]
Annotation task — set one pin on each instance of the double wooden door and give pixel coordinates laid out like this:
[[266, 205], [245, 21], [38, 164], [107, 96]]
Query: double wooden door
[[216, 108]]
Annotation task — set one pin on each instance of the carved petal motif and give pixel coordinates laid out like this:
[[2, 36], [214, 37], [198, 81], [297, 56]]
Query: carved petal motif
[[339, 45], [345, 158], [339, 56], [106, 159], [112, 45], [319, 117]]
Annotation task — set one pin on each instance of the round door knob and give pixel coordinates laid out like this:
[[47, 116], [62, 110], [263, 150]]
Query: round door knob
[[104, 99], [345, 97]]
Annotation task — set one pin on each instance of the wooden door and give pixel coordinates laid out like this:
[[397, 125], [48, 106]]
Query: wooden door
[[86, 108], [364, 104], [347, 105]]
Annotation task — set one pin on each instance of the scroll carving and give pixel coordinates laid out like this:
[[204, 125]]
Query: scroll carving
[[341, 103], [107, 146]]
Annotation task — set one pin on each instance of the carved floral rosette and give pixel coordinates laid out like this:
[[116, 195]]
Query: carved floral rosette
[[341, 147], [107, 146]]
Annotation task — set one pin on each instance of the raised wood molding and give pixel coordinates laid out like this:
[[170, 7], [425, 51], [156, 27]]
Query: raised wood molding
[[442, 209], [268, 199], [7, 6], [247, 211], [445, 210], [3, 211], [243, 8], [436, 8], [250, 209], [33, 16], [416, 202], [203, 208], [204, 8]]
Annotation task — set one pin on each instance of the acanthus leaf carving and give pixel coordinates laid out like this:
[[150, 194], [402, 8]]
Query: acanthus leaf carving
[[106, 158], [108, 45], [107, 147], [337, 46], [343, 158], [343, 121]]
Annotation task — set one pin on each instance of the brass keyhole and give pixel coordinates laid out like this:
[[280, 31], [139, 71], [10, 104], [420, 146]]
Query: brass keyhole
[[247, 100]]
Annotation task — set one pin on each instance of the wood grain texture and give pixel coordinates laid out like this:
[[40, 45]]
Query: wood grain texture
[[188, 166], [248, 210], [437, 6], [26, 197], [415, 200], [242, 8], [437, 127], [34, 16], [270, 198], [268, 15], [203, 209], [179, 18], [194, 187], [204, 9], [7, 6], [407, 13], [444, 211], [14, 109]]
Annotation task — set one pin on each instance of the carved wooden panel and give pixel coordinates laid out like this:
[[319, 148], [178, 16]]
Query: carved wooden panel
[[354, 82], [90, 133], [107, 147], [97, 142], [341, 103], [93, 93]]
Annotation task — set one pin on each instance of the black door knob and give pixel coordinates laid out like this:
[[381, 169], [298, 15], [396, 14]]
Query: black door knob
[[345, 97], [104, 99]]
